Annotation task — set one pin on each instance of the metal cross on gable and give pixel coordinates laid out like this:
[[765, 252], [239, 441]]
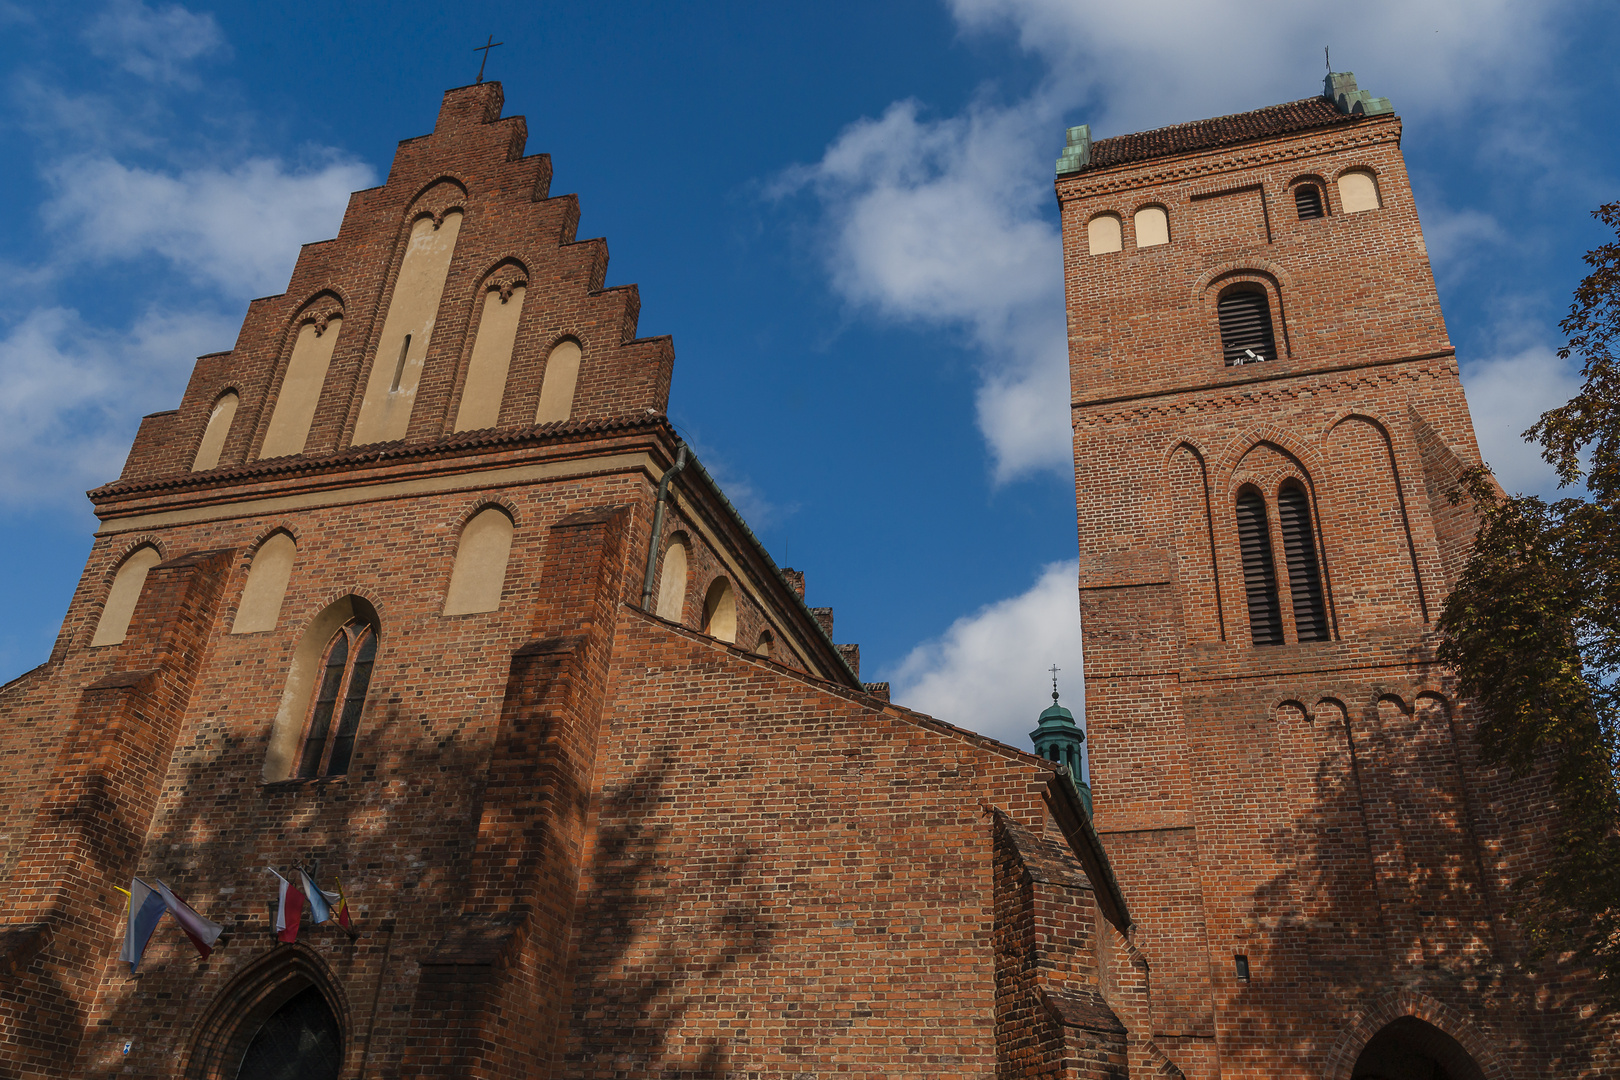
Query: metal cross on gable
[[484, 48]]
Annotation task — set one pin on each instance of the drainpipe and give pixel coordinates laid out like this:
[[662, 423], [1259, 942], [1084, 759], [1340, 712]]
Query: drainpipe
[[658, 526]]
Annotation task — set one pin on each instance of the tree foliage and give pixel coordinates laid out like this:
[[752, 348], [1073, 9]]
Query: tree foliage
[[1533, 632]]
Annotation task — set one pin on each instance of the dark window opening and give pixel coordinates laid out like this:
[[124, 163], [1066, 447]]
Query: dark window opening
[[1308, 201], [300, 1041], [1259, 574], [345, 678], [1299, 554], [1245, 319], [1241, 962], [399, 367]]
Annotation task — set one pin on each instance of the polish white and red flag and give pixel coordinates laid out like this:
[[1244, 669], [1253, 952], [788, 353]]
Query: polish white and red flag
[[289, 908], [202, 932]]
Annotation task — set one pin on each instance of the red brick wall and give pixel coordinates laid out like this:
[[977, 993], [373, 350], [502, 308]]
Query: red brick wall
[[1317, 807]]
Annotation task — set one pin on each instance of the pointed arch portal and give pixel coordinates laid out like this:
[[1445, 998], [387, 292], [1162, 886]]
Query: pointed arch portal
[[1413, 1049], [299, 1041]]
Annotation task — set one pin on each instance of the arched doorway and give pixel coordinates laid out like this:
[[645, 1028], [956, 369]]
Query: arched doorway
[[299, 1041], [282, 1017], [1413, 1049]]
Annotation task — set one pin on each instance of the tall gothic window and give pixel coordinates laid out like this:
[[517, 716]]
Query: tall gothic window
[[1245, 318], [1299, 553], [1259, 574], [334, 716]]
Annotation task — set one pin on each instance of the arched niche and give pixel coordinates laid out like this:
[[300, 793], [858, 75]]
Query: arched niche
[[266, 586], [720, 611], [496, 337], [219, 426], [766, 645], [121, 598], [558, 383], [1358, 191], [479, 573], [287, 989], [1104, 235], [672, 582], [314, 341], [413, 309], [1152, 225], [286, 733]]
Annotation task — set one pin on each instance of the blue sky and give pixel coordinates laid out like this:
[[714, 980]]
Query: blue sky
[[843, 213]]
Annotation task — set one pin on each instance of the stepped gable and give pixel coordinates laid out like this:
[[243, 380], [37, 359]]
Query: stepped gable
[[1307, 114], [512, 235]]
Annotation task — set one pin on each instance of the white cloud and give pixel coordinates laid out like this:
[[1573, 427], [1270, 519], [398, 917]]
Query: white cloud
[[1506, 394], [940, 222], [946, 222], [1458, 239], [156, 44], [1156, 62], [237, 229], [71, 395], [988, 671]]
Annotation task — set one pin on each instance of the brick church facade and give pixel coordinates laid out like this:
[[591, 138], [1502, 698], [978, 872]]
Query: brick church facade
[[418, 589]]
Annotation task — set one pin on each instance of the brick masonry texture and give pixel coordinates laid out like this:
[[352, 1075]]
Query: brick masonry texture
[[584, 841], [1317, 807], [579, 840]]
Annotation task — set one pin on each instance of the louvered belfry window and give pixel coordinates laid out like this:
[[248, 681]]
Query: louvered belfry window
[[1259, 575], [1308, 201], [1299, 553], [1245, 319]]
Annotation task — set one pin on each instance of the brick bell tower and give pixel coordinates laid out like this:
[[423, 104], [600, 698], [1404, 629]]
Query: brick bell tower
[[1267, 422]]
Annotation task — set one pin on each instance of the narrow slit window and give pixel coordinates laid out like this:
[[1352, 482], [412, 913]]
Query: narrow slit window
[[399, 365], [1299, 553], [1259, 574], [1245, 318], [1308, 201], [334, 716]]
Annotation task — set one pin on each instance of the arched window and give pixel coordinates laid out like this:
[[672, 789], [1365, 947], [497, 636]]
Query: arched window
[[479, 573], [266, 586], [299, 1041], [334, 715], [1152, 227], [300, 389], [1308, 202], [1103, 234], [1245, 317], [491, 357], [557, 385], [1259, 574], [219, 426], [672, 585], [1358, 191], [125, 591], [1299, 554], [720, 611], [407, 331]]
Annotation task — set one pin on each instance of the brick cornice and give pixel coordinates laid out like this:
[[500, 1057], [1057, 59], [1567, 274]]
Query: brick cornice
[[1172, 170], [1208, 399], [300, 465]]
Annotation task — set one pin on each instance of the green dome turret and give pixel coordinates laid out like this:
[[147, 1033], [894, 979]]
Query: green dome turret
[[1058, 738]]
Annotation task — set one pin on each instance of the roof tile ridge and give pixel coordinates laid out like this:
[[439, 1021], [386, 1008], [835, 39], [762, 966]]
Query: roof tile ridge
[[1185, 124]]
